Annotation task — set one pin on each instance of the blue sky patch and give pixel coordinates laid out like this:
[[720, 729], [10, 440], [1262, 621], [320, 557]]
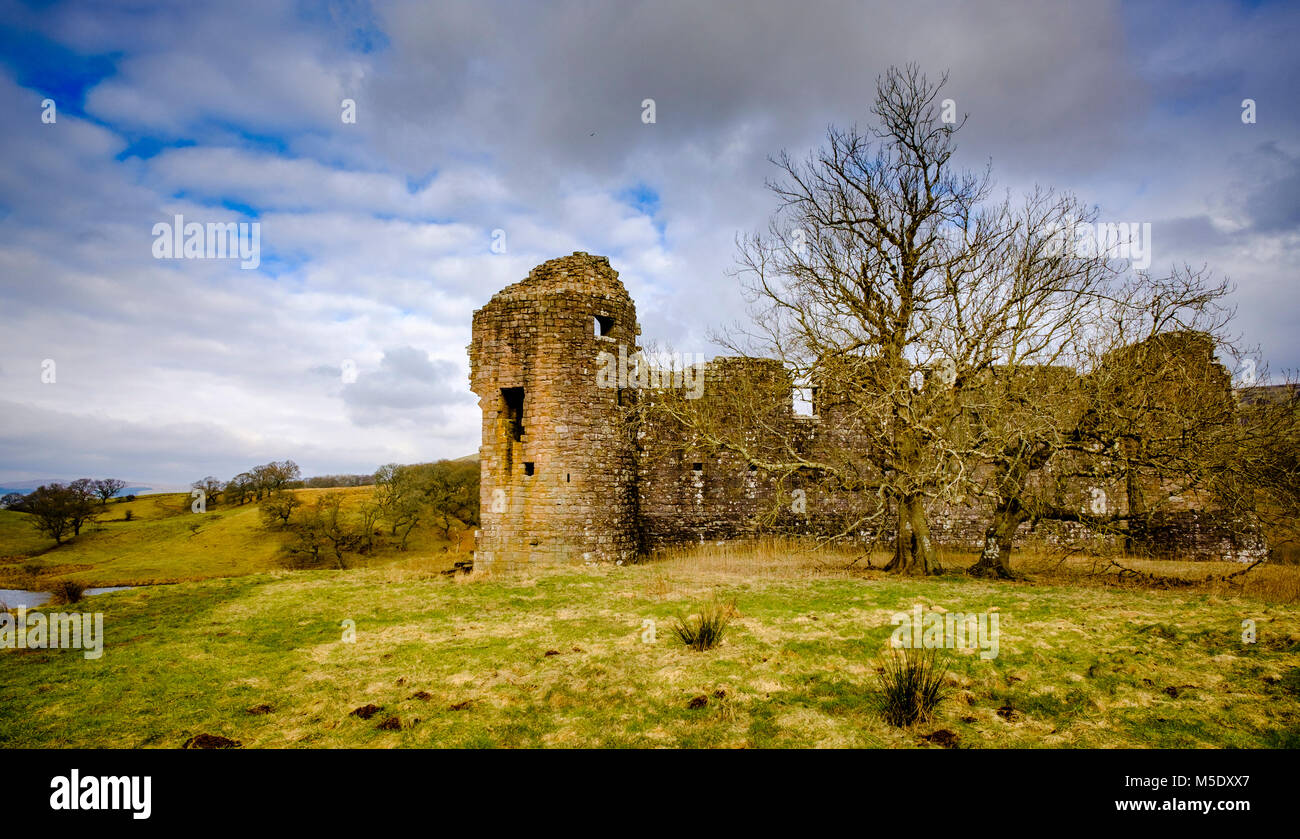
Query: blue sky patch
[[53, 70]]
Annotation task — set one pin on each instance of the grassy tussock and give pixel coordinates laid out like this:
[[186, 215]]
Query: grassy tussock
[[912, 684], [65, 592], [705, 629]]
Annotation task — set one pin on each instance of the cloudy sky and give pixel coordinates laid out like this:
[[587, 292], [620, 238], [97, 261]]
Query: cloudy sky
[[377, 236]]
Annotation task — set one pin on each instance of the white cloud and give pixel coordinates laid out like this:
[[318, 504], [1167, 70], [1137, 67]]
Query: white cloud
[[475, 117]]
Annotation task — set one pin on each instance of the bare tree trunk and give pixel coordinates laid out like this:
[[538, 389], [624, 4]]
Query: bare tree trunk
[[995, 558], [406, 534], [1136, 505], [913, 548]]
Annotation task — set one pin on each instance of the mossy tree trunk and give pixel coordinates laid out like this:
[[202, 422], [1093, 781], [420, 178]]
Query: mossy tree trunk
[[914, 553]]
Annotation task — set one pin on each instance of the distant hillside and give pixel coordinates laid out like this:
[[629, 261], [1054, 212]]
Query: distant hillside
[[24, 487], [166, 542]]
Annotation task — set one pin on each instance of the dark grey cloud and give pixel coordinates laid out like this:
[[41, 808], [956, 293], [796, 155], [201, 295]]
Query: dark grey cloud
[[407, 387], [1188, 234], [1269, 191]]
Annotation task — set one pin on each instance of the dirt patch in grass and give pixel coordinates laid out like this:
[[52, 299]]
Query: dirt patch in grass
[[210, 741], [943, 738]]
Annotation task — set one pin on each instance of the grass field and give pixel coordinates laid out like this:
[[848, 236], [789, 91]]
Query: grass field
[[557, 657], [164, 542]]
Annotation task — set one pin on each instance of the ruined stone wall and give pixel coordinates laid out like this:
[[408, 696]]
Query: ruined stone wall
[[691, 490]]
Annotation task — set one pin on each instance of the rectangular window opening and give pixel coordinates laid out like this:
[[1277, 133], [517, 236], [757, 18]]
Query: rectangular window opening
[[604, 325], [697, 467], [802, 398], [512, 408], [528, 467]]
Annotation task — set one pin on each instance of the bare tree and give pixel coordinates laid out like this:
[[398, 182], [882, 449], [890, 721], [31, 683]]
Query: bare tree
[[334, 526], [1262, 480], [82, 506], [1139, 407], [279, 506], [107, 488], [240, 488], [891, 283], [323, 526], [212, 488], [399, 495], [370, 515], [280, 473], [451, 492], [51, 510]]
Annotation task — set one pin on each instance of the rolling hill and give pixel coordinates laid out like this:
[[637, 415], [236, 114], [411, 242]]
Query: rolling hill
[[165, 542]]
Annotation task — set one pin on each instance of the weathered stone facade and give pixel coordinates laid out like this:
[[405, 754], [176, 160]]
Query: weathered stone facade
[[558, 464], [568, 475]]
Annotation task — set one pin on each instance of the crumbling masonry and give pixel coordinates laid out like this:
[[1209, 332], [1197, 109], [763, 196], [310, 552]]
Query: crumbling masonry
[[566, 478]]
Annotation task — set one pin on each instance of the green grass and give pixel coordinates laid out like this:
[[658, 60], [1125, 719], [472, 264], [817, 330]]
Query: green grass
[[18, 538], [466, 663], [165, 542]]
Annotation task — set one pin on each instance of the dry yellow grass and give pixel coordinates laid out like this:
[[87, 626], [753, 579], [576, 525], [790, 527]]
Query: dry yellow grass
[[792, 560]]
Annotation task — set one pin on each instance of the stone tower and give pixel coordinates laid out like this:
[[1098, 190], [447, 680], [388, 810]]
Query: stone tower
[[558, 460]]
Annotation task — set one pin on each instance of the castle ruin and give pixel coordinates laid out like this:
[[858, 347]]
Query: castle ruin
[[568, 477]]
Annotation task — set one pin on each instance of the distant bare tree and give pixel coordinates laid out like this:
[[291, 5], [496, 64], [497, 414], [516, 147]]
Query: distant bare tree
[[1265, 482], [342, 536], [51, 510], [323, 526], [370, 515], [82, 505], [240, 488], [279, 506], [399, 494], [280, 473], [211, 487], [107, 488]]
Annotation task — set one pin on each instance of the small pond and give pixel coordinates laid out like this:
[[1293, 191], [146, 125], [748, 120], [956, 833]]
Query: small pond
[[15, 597]]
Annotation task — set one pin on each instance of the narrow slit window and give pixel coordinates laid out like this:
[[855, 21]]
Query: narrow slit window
[[604, 325], [512, 408]]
